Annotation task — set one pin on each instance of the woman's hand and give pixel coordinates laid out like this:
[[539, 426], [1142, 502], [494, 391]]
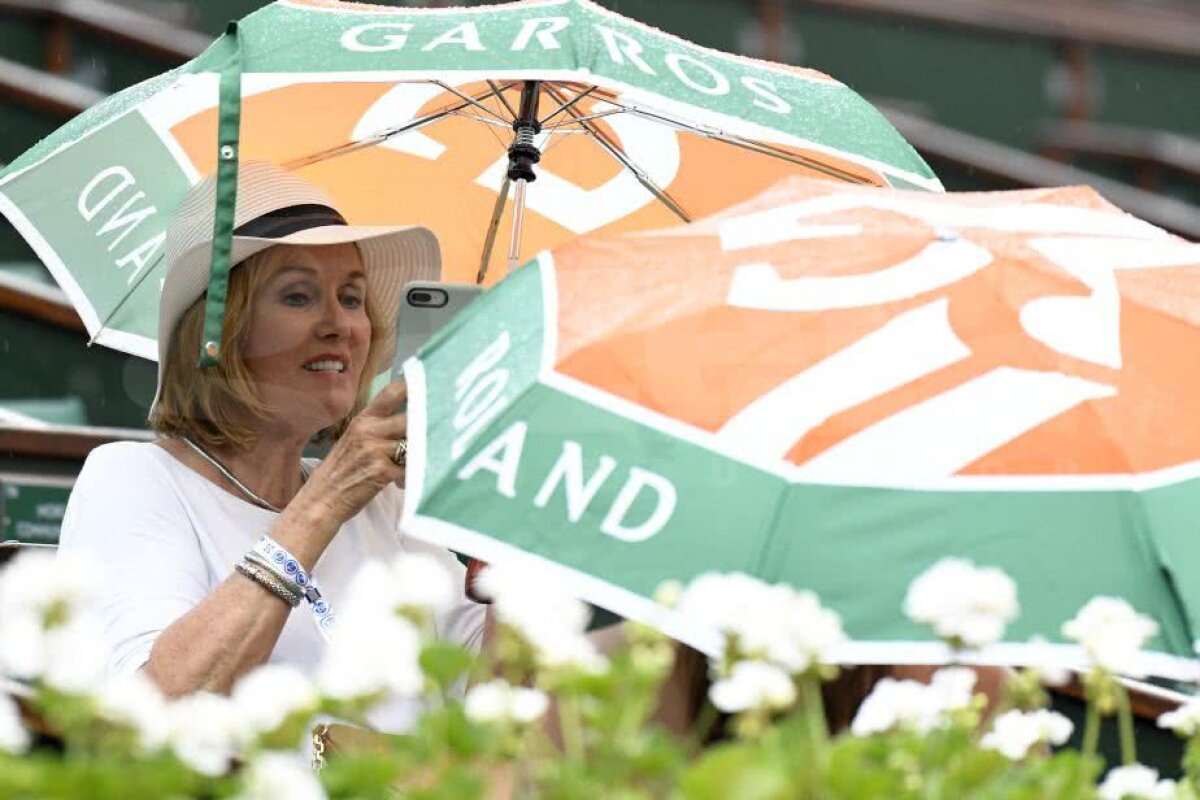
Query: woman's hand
[[360, 463]]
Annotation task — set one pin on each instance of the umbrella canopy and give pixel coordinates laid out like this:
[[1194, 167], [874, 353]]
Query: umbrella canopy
[[834, 387], [409, 116]]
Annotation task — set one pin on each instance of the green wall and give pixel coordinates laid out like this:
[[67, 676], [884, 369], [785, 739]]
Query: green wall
[[39, 360]]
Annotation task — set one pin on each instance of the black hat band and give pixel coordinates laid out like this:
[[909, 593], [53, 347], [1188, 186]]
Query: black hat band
[[291, 219]]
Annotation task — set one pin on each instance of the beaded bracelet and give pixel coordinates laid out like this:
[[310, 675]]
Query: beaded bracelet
[[266, 579]]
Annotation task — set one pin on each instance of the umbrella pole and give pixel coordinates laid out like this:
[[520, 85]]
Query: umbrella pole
[[522, 155], [518, 221]]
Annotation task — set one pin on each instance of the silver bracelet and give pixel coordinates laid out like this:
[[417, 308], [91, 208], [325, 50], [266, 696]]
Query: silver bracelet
[[254, 558], [266, 579]]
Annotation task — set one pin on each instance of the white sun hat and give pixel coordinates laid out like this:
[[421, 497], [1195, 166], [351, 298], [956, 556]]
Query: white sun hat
[[277, 207]]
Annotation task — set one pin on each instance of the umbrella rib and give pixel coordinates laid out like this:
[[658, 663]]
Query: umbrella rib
[[575, 120], [748, 144], [381, 136], [484, 120], [566, 106], [473, 100], [614, 150], [108, 318], [493, 226], [500, 96]]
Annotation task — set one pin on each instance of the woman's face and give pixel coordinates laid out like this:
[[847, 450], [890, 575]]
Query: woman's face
[[309, 335]]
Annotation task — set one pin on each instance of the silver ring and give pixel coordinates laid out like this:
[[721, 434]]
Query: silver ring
[[401, 454]]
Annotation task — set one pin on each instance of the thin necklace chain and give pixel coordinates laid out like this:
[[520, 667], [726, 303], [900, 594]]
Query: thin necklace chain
[[243, 488]]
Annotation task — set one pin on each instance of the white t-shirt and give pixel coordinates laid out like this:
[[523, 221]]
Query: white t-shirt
[[164, 537]]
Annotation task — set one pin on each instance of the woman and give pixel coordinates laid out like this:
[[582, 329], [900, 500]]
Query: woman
[[174, 524]]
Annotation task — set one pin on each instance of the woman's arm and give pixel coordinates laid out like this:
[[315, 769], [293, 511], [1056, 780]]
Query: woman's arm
[[235, 628]]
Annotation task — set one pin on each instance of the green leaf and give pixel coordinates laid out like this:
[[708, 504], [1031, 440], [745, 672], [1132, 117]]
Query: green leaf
[[444, 663], [743, 771]]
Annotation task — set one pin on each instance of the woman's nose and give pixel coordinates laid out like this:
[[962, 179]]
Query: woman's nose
[[335, 319]]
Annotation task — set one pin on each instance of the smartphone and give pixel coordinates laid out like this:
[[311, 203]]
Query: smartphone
[[425, 307]]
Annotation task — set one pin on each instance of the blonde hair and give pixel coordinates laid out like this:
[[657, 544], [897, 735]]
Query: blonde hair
[[220, 406]]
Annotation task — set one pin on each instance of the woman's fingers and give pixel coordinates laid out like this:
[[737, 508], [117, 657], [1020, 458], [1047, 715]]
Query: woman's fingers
[[390, 399], [394, 427]]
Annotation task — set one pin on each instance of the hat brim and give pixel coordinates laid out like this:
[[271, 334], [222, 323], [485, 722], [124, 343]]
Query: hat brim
[[392, 257]]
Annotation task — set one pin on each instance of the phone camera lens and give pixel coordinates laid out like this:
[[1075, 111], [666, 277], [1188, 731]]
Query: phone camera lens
[[421, 297]]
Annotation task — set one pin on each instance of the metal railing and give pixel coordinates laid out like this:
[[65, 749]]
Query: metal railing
[[140, 32]]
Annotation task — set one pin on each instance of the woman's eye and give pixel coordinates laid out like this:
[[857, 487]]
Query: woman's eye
[[352, 301], [295, 298]]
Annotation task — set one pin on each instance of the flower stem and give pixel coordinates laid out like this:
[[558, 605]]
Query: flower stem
[[1125, 727], [814, 712], [1191, 763], [571, 724], [1091, 728], [702, 728]]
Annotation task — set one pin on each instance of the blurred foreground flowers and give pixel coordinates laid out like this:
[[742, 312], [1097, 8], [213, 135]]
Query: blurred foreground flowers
[[546, 710]]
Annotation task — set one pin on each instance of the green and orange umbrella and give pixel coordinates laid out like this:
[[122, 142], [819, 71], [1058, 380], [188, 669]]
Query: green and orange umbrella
[[834, 387], [436, 117]]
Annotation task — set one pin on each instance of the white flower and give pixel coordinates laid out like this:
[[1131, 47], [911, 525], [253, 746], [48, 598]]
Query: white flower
[[548, 617], [273, 775], [1135, 781], [422, 582], [371, 653], [770, 622], [207, 731], [47, 630], [13, 736], [971, 605], [1184, 720], [527, 704], [753, 684], [1112, 633], [892, 704], [412, 581], [41, 583], [669, 593], [1046, 663], [914, 706], [498, 701], [70, 656], [953, 688], [76, 655], [270, 694], [22, 645], [135, 701], [1014, 732]]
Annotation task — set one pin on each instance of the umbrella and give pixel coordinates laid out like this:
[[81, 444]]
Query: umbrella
[[834, 387], [439, 117]]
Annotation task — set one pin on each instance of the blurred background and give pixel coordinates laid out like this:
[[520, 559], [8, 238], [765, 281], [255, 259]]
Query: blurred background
[[995, 94]]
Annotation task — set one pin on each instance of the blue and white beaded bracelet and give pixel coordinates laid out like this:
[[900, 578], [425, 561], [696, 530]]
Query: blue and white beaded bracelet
[[288, 568]]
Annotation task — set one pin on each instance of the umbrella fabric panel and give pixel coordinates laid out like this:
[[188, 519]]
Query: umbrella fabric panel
[[583, 38], [860, 548], [866, 340], [602, 495], [543, 470], [476, 367], [447, 175], [1171, 518], [90, 214], [1040, 294]]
